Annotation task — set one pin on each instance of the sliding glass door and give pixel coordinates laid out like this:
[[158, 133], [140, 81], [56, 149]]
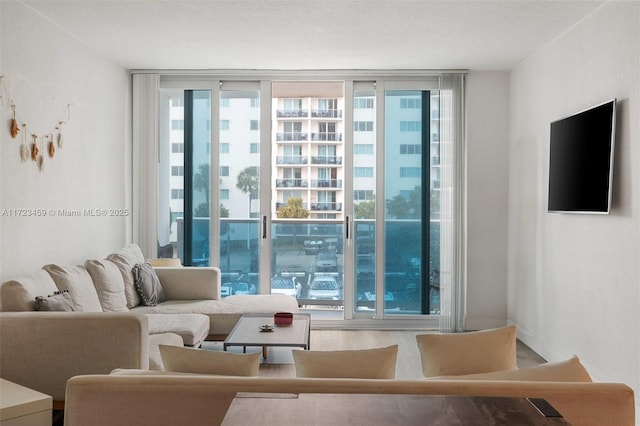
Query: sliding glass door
[[307, 212], [396, 250], [325, 190], [411, 238], [184, 176]]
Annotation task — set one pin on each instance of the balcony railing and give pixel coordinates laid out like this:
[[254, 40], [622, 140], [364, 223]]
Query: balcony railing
[[292, 183], [326, 206], [326, 136], [292, 136], [326, 159], [326, 113], [291, 159], [326, 183], [292, 113]]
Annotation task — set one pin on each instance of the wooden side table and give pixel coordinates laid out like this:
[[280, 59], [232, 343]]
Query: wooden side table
[[20, 406]]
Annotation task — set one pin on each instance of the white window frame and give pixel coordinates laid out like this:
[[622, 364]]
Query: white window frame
[[393, 80]]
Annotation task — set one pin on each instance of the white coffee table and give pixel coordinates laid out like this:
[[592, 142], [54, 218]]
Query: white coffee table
[[247, 332]]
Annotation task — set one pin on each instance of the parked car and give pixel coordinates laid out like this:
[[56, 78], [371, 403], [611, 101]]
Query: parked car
[[365, 265], [312, 246], [251, 278], [228, 278], [285, 285], [226, 289], [324, 287], [326, 261], [241, 287]]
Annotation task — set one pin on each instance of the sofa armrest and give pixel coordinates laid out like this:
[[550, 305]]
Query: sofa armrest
[[190, 283], [42, 350]]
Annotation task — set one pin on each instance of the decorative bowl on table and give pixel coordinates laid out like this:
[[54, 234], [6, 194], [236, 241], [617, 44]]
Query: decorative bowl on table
[[266, 328], [283, 318]]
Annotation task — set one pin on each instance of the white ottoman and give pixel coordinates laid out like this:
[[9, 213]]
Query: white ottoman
[[193, 328]]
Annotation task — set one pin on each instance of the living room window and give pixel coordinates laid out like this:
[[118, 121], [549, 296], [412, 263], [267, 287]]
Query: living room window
[[385, 235]]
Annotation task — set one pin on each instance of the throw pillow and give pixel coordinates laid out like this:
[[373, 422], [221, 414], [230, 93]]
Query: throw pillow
[[77, 280], [155, 340], [473, 352], [109, 284], [126, 258], [147, 284], [378, 363], [58, 301], [570, 370], [19, 295], [188, 360]]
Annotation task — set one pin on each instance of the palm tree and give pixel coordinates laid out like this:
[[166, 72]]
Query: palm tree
[[249, 183], [201, 181], [293, 209]]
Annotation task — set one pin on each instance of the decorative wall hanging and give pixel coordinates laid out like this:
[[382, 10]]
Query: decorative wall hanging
[[24, 148], [59, 129], [14, 123], [34, 147], [52, 146], [41, 156], [40, 145]]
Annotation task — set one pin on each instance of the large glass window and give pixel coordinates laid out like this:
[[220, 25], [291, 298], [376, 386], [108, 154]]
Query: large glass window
[[184, 150], [411, 234], [339, 209], [364, 204]]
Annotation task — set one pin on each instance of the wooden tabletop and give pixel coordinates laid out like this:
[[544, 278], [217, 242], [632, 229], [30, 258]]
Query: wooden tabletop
[[247, 332], [382, 409]]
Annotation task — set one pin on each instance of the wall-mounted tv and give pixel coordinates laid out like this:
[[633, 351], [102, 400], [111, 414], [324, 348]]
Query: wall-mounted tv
[[581, 160]]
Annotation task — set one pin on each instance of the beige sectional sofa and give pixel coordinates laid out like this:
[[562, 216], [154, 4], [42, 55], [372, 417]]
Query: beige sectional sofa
[[170, 399], [108, 285], [109, 327]]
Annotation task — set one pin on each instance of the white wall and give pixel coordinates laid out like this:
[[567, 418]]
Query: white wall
[[573, 280], [487, 171], [44, 70]]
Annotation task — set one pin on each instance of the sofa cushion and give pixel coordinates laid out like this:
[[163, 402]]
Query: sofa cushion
[[77, 280], [224, 314], [570, 370], [155, 340], [58, 301], [109, 284], [192, 328], [201, 361], [126, 258], [147, 284], [19, 295], [378, 363], [467, 353]]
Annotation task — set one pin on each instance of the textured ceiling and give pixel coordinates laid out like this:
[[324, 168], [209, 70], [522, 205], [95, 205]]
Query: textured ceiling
[[310, 34]]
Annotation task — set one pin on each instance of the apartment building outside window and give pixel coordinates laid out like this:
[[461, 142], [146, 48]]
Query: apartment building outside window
[[308, 152]]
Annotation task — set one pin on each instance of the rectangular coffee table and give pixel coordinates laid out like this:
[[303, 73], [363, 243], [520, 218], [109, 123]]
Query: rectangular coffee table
[[247, 332]]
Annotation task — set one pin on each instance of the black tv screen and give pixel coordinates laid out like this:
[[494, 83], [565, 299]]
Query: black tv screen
[[581, 161]]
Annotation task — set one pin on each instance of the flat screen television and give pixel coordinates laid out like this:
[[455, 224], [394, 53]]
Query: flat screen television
[[581, 160]]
